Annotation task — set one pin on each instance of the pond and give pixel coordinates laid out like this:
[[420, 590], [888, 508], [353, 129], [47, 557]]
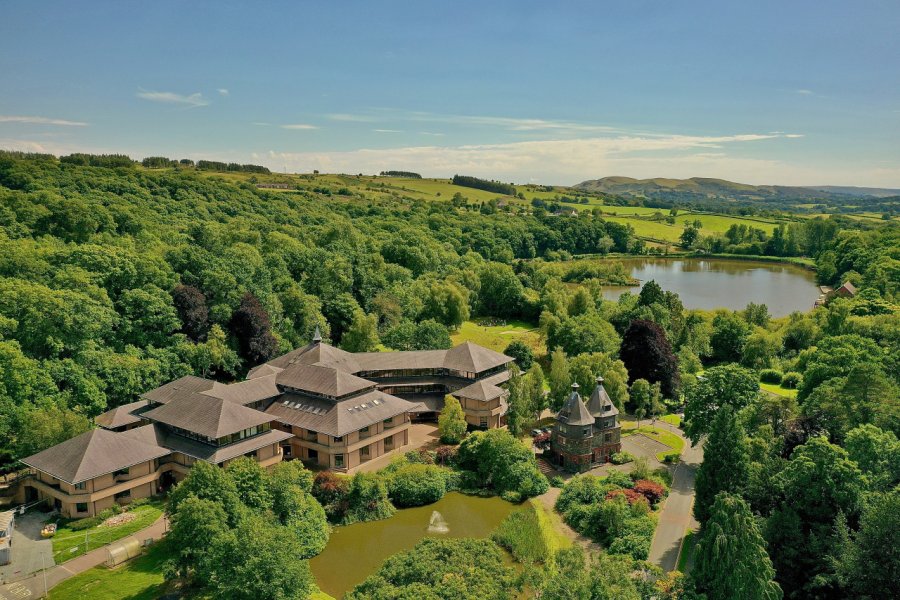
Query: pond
[[356, 551], [710, 283]]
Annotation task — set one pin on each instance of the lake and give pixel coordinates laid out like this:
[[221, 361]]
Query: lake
[[710, 283], [356, 551]]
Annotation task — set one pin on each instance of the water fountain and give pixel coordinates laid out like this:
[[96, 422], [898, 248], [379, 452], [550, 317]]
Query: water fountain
[[437, 524]]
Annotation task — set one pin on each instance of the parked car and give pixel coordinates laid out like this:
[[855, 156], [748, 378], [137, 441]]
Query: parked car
[[547, 430], [536, 432]]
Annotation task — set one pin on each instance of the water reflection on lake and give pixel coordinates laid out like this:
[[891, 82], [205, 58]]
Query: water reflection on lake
[[722, 283], [356, 551]]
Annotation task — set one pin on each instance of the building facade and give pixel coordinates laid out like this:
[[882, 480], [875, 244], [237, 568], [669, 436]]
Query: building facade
[[586, 435], [328, 407]]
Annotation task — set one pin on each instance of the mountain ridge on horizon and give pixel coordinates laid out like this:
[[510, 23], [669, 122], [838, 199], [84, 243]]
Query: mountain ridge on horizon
[[706, 188]]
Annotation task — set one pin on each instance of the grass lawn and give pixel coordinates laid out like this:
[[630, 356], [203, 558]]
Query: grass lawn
[[687, 549], [660, 435], [69, 544], [673, 420], [776, 389], [138, 579], [498, 337]]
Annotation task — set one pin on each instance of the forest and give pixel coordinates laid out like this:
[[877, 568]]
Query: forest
[[115, 278]]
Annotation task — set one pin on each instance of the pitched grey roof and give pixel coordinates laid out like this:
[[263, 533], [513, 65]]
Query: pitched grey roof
[[91, 454], [472, 357], [180, 388], [263, 370], [245, 392], [120, 416], [480, 390], [574, 412], [600, 404], [205, 452], [318, 354], [208, 416], [323, 381], [337, 418]]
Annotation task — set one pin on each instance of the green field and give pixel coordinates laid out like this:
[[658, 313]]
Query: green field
[[138, 579], [673, 420], [68, 544], [777, 390], [498, 336]]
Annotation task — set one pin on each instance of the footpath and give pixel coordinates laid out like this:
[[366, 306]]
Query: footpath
[[36, 586]]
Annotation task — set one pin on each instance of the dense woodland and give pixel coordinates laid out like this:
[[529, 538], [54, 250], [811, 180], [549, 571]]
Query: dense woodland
[[115, 279]]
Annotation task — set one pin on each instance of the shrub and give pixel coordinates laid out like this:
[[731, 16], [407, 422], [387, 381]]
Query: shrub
[[528, 535], [620, 458], [791, 380], [557, 481], [671, 458], [445, 455], [770, 376], [618, 479], [651, 490], [331, 492], [416, 485], [420, 456], [640, 470], [511, 496], [629, 494], [367, 499]]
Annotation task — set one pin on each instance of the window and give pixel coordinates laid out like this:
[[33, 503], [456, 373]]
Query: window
[[364, 429], [339, 460], [286, 450], [364, 452], [123, 495], [81, 507], [253, 454], [483, 423], [81, 486], [586, 431], [338, 439], [121, 472]]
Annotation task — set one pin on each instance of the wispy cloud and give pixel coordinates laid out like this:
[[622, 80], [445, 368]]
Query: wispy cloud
[[564, 160], [223, 91], [194, 100], [31, 120], [804, 92], [387, 131], [298, 126], [351, 118], [512, 123]]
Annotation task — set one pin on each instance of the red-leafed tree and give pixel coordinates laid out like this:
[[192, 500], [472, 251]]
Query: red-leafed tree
[[648, 355], [651, 490], [191, 305], [251, 326], [631, 495]]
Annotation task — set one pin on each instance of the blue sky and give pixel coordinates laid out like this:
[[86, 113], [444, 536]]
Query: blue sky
[[788, 92]]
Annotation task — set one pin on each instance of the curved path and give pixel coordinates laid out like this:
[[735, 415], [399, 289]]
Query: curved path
[[35, 585], [676, 516]]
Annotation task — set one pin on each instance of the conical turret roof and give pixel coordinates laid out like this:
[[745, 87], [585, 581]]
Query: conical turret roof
[[600, 404], [574, 412]]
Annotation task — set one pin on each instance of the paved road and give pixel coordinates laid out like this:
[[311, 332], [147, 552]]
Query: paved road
[[34, 586], [676, 516]]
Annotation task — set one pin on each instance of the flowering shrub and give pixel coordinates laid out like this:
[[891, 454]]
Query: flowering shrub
[[651, 490]]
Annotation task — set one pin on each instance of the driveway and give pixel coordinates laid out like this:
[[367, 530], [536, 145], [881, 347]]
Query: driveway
[[676, 516], [30, 552]]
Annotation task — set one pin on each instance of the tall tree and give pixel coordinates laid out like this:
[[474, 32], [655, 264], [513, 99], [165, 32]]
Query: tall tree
[[452, 421], [362, 335], [731, 561], [725, 466], [873, 562], [252, 328], [648, 355], [729, 385], [560, 381], [192, 310], [729, 336]]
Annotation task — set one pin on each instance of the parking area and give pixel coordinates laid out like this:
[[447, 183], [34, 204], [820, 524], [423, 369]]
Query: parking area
[[30, 552]]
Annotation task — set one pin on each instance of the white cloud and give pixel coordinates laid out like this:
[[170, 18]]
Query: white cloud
[[191, 101], [31, 120], [387, 131], [571, 161], [223, 91], [298, 126], [804, 92]]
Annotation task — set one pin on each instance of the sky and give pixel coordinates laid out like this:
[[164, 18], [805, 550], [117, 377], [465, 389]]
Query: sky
[[799, 92]]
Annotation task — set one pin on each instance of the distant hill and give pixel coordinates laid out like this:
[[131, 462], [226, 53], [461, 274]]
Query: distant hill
[[857, 191], [706, 190]]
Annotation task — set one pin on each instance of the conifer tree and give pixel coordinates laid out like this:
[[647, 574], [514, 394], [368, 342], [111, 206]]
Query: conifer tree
[[725, 466], [731, 559]]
